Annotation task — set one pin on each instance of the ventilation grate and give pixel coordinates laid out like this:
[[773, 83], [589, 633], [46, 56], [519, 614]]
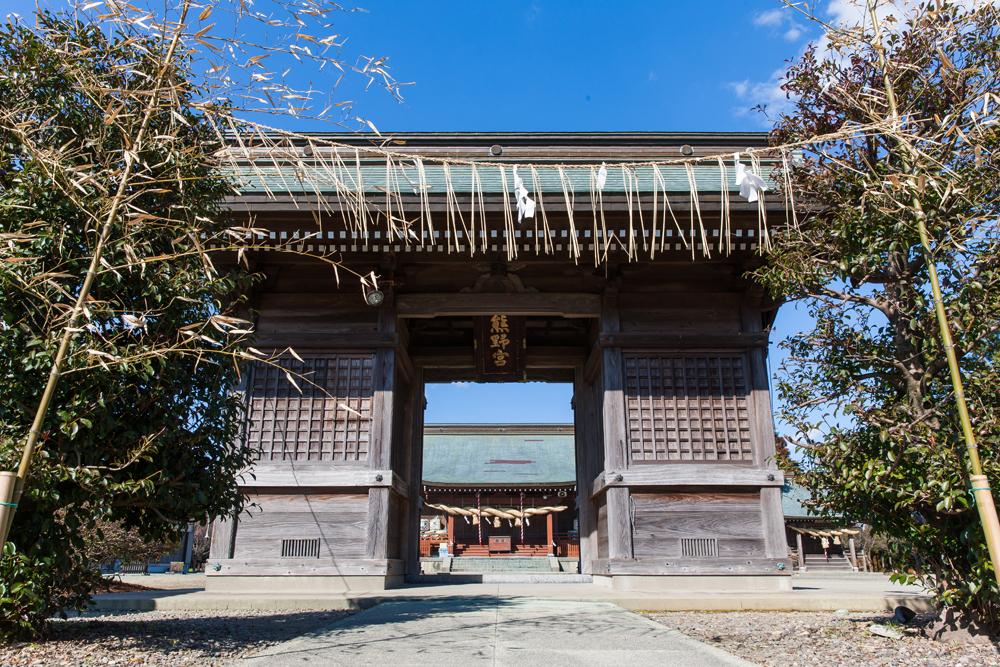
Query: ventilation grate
[[700, 547], [300, 548]]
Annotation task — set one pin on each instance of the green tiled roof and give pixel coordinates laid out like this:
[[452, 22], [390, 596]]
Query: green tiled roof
[[793, 502], [374, 178], [492, 455]]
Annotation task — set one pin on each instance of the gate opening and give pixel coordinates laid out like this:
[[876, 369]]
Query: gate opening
[[498, 482]]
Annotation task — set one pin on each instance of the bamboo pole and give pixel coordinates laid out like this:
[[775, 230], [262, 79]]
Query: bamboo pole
[[9, 506], [979, 482]]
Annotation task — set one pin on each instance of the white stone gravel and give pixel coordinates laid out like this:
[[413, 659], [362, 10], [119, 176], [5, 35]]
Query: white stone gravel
[[824, 639], [164, 638]]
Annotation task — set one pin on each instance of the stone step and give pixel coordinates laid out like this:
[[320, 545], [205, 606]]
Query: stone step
[[501, 578], [512, 564]]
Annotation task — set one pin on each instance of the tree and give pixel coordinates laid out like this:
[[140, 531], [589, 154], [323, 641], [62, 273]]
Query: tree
[[120, 344], [144, 422], [870, 382]]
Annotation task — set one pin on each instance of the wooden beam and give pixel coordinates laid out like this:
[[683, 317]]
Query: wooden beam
[[325, 476], [322, 566], [690, 566], [687, 474], [462, 357], [273, 343], [473, 304], [683, 341]]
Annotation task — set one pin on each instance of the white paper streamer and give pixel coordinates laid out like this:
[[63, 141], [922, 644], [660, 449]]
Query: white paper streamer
[[525, 204], [750, 184], [602, 176]]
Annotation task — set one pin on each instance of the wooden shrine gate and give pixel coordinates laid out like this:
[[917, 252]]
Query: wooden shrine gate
[[676, 482]]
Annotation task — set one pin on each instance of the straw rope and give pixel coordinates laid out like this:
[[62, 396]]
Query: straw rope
[[289, 163], [474, 515]]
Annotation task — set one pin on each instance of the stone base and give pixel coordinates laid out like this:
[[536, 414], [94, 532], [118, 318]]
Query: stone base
[[300, 584], [695, 583]]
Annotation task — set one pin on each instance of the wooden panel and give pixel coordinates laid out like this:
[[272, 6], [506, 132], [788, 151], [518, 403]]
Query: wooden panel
[[339, 521], [329, 313], [687, 408], [690, 313], [663, 520], [329, 420]]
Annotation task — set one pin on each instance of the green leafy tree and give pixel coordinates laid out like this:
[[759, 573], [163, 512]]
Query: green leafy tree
[[123, 129], [868, 386], [97, 134]]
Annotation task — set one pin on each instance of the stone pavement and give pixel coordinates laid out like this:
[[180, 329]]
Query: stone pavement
[[493, 630]]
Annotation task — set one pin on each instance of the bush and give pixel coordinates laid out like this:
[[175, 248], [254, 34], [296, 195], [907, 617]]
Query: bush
[[33, 588]]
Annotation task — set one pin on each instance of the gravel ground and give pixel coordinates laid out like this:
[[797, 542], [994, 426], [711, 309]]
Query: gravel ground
[[164, 638], [214, 638], [824, 638]]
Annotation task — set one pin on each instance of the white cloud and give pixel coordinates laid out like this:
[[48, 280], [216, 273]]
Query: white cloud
[[793, 34], [841, 13], [781, 20], [767, 93], [772, 17]]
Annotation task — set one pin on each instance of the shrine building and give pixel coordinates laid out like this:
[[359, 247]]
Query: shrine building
[[615, 262], [499, 491]]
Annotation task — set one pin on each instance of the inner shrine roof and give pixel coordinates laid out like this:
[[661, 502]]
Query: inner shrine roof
[[499, 455]]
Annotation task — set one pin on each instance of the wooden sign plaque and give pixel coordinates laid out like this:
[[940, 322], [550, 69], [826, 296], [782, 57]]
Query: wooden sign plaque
[[500, 342]]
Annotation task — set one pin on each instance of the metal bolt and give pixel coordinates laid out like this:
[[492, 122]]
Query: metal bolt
[[780, 566], [619, 478], [770, 476], [378, 477]]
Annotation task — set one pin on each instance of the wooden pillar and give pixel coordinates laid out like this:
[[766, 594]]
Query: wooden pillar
[[380, 447], [762, 430], [414, 469], [802, 553], [223, 538], [854, 553], [613, 411], [451, 535], [549, 533], [589, 459]]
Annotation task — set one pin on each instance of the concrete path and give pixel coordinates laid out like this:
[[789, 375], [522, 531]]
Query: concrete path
[[490, 630]]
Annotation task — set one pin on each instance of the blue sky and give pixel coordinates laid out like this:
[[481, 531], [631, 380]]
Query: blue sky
[[563, 65]]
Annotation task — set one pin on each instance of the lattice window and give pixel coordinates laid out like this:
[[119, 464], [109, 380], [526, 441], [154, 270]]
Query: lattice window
[[330, 420], [687, 408]]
